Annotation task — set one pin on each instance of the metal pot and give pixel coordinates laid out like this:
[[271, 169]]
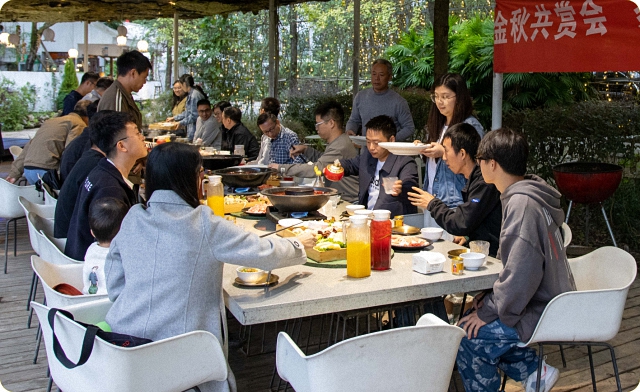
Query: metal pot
[[242, 176], [587, 182], [298, 203], [216, 162]]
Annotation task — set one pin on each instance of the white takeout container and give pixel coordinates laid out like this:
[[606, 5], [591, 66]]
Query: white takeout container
[[472, 260], [252, 277], [426, 262]]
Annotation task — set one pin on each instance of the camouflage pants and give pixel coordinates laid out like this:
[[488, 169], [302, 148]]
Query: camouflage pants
[[494, 348]]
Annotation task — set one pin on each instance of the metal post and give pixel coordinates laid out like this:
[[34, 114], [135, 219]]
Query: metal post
[[496, 102], [274, 49], [356, 46], [85, 62], [175, 46]]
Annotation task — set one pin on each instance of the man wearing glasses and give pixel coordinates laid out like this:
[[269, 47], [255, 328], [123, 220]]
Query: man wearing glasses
[[87, 83], [123, 145], [376, 163], [379, 100], [330, 127], [276, 142], [208, 131]]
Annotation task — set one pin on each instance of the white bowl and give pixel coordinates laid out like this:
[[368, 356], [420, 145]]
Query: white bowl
[[287, 183], [288, 222], [351, 209], [432, 234], [254, 276], [472, 260]]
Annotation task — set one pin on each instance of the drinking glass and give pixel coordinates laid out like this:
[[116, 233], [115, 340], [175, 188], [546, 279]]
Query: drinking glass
[[387, 183], [479, 247]]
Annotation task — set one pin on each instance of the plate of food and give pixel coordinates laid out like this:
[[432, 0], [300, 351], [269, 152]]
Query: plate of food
[[412, 243], [257, 210], [403, 148]]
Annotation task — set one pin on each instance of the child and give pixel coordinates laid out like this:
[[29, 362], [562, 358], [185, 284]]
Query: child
[[105, 217]]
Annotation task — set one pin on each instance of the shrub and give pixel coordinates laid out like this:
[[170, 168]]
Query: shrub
[[69, 82], [16, 104]]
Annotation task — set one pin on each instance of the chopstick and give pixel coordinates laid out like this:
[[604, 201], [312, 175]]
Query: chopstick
[[279, 230]]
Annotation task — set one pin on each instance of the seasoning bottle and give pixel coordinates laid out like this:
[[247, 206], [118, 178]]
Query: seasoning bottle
[[334, 172], [215, 194], [381, 240], [358, 247]]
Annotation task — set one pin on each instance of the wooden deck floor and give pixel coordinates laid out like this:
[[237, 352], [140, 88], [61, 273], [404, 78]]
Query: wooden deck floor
[[17, 343]]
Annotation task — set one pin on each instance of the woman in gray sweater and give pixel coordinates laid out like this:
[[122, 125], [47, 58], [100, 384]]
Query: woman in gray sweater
[[164, 268]]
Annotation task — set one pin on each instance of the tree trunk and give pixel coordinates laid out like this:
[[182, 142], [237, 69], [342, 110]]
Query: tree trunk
[[441, 38], [293, 68], [34, 43], [168, 83]]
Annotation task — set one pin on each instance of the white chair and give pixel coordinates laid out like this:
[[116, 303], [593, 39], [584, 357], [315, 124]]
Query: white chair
[[51, 275], [15, 151], [637, 389], [173, 364], [37, 225], [50, 196], [11, 210], [591, 315], [43, 210], [402, 359], [52, 250]]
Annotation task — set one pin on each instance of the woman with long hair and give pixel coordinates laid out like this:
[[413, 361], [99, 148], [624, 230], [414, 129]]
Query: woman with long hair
[[189, 117], [178, 99], [164, 268], [452, 105]]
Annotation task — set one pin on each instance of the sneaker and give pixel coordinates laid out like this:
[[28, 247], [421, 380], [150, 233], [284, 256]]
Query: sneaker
[[548, 378]]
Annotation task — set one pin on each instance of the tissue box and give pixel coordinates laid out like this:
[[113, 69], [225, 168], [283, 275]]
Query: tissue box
[[426, 262]]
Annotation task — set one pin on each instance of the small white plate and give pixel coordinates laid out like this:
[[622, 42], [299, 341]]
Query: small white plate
[[359, 140], [403, 148]]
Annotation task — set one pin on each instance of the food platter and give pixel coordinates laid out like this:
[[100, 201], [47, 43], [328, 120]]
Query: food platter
[[406, 230], [457, 252], [359, 140], [403, 148], [250, 213], [408, 243], [273, 280]]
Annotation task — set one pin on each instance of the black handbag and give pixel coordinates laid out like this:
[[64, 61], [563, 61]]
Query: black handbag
[[118, 339]]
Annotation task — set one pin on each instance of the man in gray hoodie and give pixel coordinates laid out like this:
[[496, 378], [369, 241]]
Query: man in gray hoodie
[[535, 270]]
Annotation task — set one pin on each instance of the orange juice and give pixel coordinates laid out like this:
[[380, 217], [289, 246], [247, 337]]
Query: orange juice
[[216, 203], [358, 259]]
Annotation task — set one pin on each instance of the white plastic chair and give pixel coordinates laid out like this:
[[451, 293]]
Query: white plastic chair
[[15, 151], [591, 315], [51, 275], [50, 196], [173, 364], [402, 359], [11, 210], [52, 250], [43, 210]]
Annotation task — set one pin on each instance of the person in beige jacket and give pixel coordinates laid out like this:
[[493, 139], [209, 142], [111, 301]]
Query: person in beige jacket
[[43, 152]]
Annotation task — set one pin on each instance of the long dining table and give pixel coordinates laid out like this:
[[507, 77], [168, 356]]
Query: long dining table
[[304, 290]]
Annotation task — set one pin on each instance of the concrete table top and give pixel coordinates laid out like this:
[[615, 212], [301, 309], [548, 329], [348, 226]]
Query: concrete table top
[[307, 291]]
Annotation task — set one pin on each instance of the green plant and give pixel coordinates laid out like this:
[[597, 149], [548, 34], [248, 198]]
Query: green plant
[[16, 104], [69, 82]]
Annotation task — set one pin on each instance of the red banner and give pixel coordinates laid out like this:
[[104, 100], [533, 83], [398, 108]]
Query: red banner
[[566, 36]]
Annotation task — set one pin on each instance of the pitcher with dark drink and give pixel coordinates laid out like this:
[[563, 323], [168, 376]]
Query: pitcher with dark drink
[[381, 240]]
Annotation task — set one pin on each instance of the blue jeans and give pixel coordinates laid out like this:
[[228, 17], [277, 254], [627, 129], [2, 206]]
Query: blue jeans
[[32, 175], [494, 348]]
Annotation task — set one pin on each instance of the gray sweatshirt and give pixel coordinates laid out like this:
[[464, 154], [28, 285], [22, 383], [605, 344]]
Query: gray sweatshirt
[[533, 256], [368, 104]]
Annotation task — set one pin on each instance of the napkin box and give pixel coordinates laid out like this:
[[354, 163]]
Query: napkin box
[[426, 262]]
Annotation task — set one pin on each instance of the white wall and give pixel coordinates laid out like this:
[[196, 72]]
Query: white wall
[[43, 83]]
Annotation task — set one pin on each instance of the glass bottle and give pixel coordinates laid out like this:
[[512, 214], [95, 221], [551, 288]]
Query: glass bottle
[[215, 194], [358, 247], [381, 240]]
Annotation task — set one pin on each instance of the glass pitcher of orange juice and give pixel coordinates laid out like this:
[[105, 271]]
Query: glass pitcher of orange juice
[[358, 247], [215, 194]]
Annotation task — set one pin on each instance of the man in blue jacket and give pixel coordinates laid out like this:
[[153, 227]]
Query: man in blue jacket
[[108, 179], [377, 163]]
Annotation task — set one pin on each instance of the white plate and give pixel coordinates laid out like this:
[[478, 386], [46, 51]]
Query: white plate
[[403, 148], [288, 222], [359, 140]]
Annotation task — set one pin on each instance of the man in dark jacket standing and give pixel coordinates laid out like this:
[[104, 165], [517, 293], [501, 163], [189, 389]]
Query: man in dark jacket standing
[[535, 270], [108, 179], [479, 216]]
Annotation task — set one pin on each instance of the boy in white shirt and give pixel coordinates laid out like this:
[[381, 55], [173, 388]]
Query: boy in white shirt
[[105, 216]]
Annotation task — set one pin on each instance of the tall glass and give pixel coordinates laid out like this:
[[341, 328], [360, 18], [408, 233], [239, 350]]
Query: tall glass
[[381, 240], [358, 248]]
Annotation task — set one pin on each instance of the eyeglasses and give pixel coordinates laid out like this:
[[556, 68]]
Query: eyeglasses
[[273, 128], [442, 98], [138, 133], [320, 123]]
